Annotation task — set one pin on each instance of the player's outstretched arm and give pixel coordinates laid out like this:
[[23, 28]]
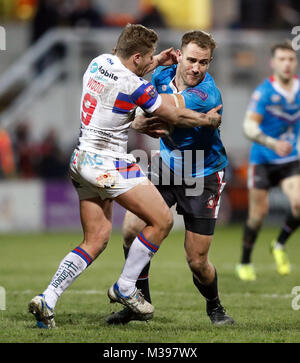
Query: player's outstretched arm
[[165, 58], [151, 126], [254, 133], [173, 112]]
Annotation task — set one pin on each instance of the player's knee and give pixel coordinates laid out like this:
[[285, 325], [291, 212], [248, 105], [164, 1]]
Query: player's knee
[[165, 223], [98, 240], [262, 212], [256, 222], [198, 263], [168, 223]]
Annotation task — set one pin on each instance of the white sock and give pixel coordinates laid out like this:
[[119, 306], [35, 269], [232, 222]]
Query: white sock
[[73, 264], [279, 246], [140, 253]]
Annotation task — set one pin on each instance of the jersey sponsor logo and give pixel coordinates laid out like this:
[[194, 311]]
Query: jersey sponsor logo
[[199, 93], [107, 74], [94, 67], [95, 86], [69, 270], [85, 159]]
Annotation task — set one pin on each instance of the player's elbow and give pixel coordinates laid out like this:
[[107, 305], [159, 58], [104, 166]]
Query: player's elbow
[[251, 128]]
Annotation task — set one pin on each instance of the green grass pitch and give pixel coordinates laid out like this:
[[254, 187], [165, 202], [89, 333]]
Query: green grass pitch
[[262, 309]]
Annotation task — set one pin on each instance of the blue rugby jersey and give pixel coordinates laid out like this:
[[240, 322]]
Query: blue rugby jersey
[[200, 98], [281, 116]]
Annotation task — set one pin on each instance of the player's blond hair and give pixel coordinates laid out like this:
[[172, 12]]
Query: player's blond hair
[[135, 38], [199, 37]]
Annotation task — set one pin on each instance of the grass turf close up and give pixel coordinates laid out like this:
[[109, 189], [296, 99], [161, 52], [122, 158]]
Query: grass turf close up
[[262, 309]]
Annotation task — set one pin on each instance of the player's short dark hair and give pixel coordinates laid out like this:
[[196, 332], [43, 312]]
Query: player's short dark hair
[[199, 37], [286, 45], [135, 38]]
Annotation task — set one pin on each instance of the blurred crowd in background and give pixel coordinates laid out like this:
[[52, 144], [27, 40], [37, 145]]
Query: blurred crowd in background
[[23, 158], [20, 156], [255, 14]]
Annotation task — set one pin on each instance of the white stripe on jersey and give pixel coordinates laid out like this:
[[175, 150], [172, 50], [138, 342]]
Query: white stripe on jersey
[[275, 111]]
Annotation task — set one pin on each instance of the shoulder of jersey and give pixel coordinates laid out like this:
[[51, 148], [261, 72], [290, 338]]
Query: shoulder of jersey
[[264, 88], [164, 71], [94, 65], [208, 83], [266, 84], [110, 67], [207, 89]]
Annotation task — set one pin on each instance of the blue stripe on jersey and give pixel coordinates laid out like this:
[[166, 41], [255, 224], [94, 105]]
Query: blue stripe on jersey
[[123, 97], [120, 111], [138, 92], [123, 104], [145, 96]]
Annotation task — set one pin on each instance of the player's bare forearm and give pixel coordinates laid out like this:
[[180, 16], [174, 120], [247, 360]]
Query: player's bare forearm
[[151, 126], [254, 133], [142, 123], [183, 117]]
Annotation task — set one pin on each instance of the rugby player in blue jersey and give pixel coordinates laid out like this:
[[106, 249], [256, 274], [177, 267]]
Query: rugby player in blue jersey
[[272, 123], [188, 85]]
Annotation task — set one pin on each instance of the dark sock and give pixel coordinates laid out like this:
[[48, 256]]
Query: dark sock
[[210, 292], [126, 251], [249, 238], [143, 280], [143, 283], [291, 224]]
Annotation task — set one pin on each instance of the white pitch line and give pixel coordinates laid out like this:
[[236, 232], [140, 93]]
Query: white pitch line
[[160, 293]]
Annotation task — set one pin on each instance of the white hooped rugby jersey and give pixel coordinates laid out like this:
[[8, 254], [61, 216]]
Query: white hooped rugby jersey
[[110, 92]]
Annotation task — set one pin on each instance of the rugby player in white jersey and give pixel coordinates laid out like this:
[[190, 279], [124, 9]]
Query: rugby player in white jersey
[[102, 171]]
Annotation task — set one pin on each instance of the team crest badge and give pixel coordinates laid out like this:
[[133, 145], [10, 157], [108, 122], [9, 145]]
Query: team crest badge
[[151, 91], [211, 202], [106, 180], [275, 98]]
